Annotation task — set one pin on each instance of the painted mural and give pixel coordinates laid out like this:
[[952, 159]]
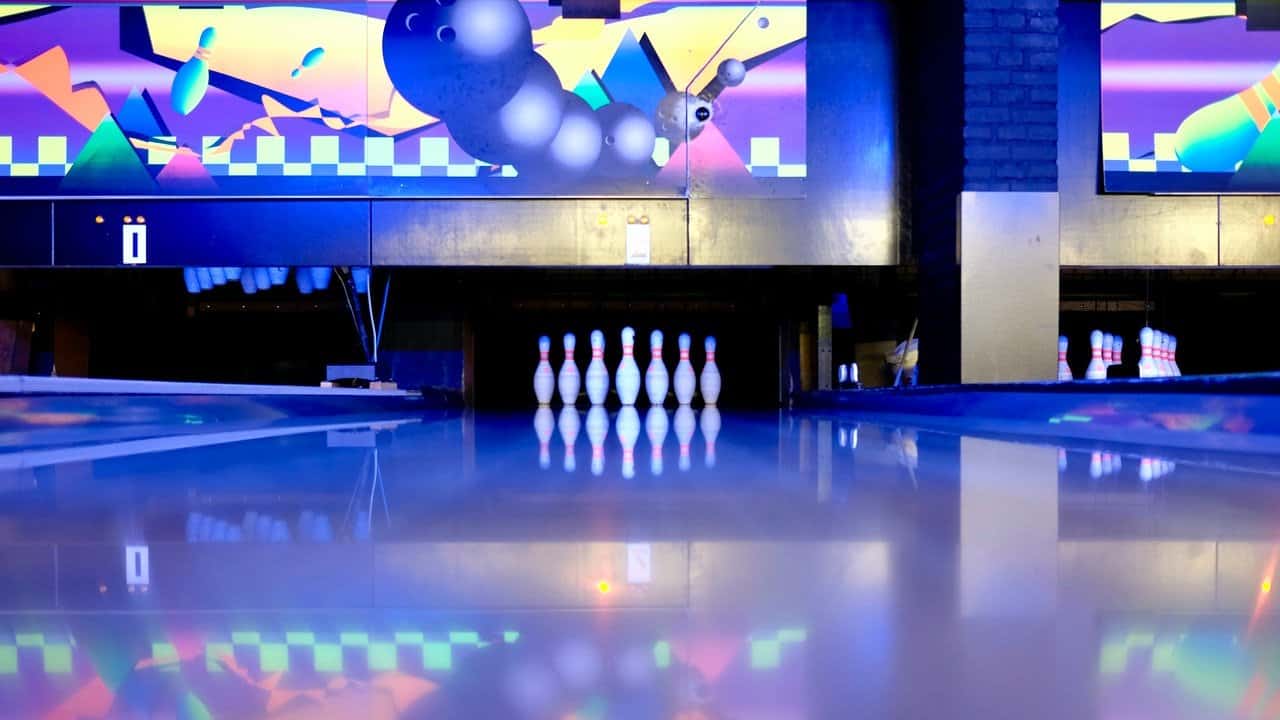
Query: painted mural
[[1190, 91], [404, 98]]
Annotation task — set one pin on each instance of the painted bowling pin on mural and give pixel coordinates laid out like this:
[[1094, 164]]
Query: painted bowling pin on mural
[[1218, 136], [656, 379], [192, 79], [710, 378], [597, 373], [544, 381], [627, 379], [570, 382], [685, 381]]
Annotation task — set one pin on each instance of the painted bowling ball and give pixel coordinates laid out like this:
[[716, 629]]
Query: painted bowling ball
[[445, 56], [522, 127], [731, 72], [682, 116], [575, 148], [628, 140]]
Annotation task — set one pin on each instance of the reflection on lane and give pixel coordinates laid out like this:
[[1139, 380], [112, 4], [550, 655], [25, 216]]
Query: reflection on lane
[[784, 566]]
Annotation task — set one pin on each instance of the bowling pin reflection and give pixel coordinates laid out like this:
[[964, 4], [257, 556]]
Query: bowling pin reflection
[[597, 431], [684, 426], [710, 426], [543, 424], [628, 433], [655, 428], [569, 425]]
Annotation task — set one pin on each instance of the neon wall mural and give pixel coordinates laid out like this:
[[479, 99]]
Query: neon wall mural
[[1189, 94], [404, 98]]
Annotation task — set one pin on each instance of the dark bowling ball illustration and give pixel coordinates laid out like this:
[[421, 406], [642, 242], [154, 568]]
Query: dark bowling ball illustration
[[682, 116], [447, 56], [628, 140], [575, 148], [521, 128]]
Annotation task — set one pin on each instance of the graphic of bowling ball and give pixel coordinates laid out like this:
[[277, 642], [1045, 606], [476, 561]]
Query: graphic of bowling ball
[[450, 55], [628, 140], [575, 148], [731, 72], [521, 127], [682, 116]]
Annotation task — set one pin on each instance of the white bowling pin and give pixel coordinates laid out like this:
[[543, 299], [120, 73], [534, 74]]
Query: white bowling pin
[[684, 427], [569, 381], [1146, 470], [656, 379], [655, 427], [569, 425], [544, 381], [1095, 465], [1162, 355], [710, 379], [1147, 363], [709, 423], [628, 432], [544, 423], [627, 377], [1097, 368], [1108, 342], [1173, 356], [597, 431], [597, 373], [1064, 369], [1117, 350], [842, 377], [684, 381]]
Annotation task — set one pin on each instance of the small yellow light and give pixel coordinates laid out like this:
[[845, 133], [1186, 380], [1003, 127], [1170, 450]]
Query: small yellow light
[[98, 220], [1268, 219], [604, 587], [1266, 585], [128, 219], [603, 219], [141, 220]]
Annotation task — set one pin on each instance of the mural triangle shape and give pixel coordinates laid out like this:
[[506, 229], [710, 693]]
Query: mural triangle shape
[[108, 163], [631, 78]]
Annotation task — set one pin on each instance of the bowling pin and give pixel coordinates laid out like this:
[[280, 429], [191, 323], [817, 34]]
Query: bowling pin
[[842, 377], [597, 431], [628, 433], [710, 380], [1117, 350], [656, 379], [853, 375], [1147, 363], [1108, 342], [1146, 470], [597, 373], [1219, 135], [570, 382], [544, 382], [655, 428], [1064, 370], [1166, 367], [1095, 465], [684, 427], [191, 82], [1097, 370], [627, 377], [543, 424], [709, 423], [684, 380], [1173, 357], [569, 425], [1106, 464]]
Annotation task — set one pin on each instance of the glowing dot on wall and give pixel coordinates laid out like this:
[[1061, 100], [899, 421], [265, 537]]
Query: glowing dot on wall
[[141, 220], [128, 219], [1266, 585], [1268, 219], [98, 220], [604, 587]]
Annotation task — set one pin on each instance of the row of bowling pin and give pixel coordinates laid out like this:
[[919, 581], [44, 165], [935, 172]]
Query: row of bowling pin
[[255, 527], [627, 425], [627, 376], [253, 279], [847, 376], [1105, 464], [1159, 355]]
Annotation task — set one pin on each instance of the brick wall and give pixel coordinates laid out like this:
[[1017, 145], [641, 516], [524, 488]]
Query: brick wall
[[1011, 95]]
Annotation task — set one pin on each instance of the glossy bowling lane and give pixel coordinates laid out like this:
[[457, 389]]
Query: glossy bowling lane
[[624, 565]]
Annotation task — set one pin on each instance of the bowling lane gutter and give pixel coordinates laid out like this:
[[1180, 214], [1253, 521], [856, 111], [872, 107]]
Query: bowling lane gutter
[[1237, 413]]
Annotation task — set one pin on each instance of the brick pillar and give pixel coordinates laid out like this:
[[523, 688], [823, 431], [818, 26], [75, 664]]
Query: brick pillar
[[1011, 95]]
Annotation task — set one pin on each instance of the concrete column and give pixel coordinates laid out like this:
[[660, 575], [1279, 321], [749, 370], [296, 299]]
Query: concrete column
[[1008, 286]]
